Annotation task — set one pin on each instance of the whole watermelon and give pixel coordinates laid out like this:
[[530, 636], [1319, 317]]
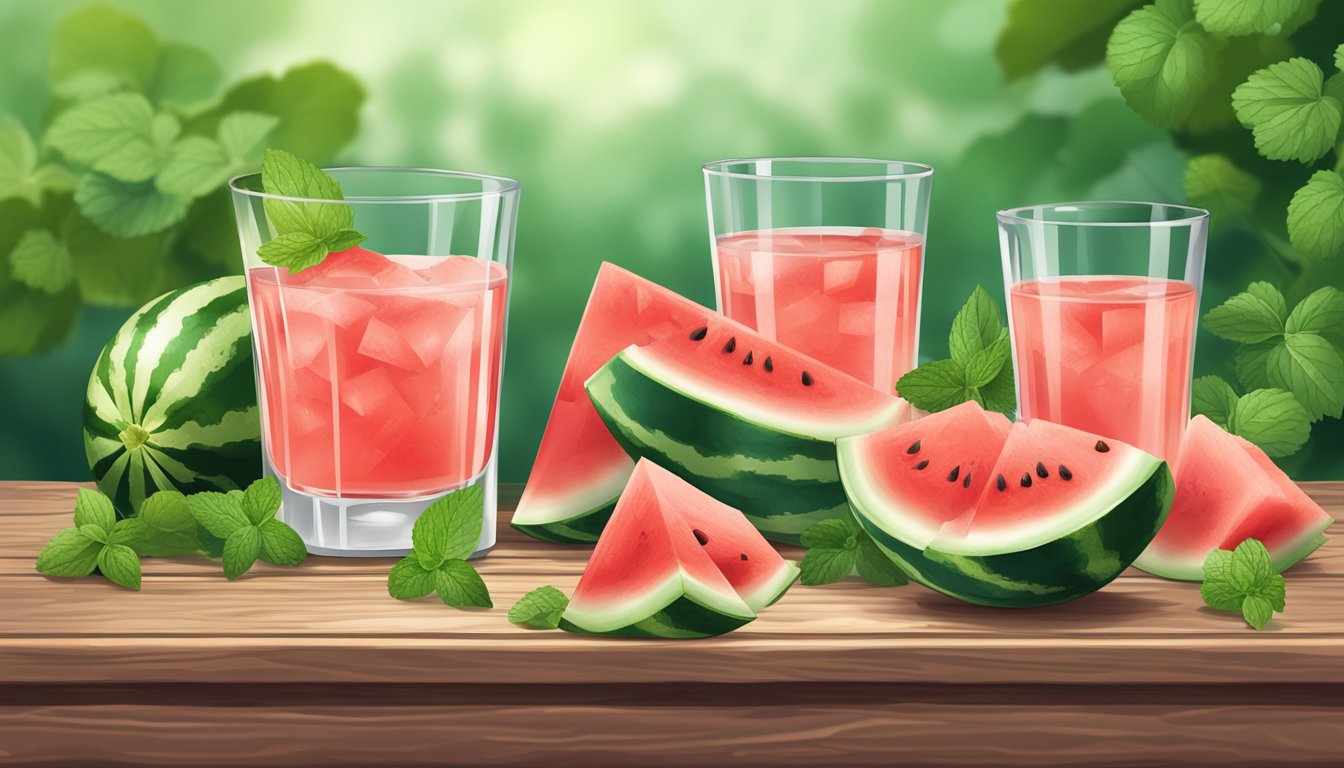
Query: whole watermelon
[[172, 402]]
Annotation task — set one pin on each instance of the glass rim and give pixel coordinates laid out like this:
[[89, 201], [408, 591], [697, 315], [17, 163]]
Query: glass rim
[[719, 168], [1016, 215], [506, 185]]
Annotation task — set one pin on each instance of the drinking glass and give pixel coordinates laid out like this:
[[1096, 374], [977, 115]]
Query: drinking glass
[[1103, 298], [825, 255], [378, 369]]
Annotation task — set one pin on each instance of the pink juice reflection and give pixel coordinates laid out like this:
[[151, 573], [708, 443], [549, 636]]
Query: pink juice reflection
[[379, 375]]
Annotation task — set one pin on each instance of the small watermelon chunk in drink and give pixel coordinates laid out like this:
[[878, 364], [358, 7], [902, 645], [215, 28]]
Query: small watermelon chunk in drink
[[379, 375]]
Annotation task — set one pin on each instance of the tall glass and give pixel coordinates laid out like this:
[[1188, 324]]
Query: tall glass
[[378, 370], [824, 254], [1103, 298]]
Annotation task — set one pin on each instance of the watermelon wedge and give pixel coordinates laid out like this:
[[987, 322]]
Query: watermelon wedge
[[744, 419], [1018, 516], [673, 562], [1227, 491], [580, 470]]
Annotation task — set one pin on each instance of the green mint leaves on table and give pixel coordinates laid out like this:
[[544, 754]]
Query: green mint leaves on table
[[1243, 580], [98, 541], [539, 609], [836, 548], [980, 368], [444, 536], [306, 231], [245, 522]]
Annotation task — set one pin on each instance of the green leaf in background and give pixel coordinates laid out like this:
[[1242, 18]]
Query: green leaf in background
[[1252, 364], [1322, 311], [114, 134], [1272, 419], [20, 174], [1212, 397], [111, 270], [1316, 216], [31, 321], [1065, 32], [242, 135], [1255, 315], [41, 262], [975, 327], [539, 609], [1288, 111], [241, 550], [120, 565], [1245, 17], [127, 209], [184, 75], [1339, 57], [1160, 61], [1311, 368], [1228, 193], [1235, 61], [1102, 136], [88, 84], [195, 166], [460, 586], [100, 37], [317, 106]]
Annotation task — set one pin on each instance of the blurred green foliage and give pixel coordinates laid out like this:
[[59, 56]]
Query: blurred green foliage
[[605, 109]]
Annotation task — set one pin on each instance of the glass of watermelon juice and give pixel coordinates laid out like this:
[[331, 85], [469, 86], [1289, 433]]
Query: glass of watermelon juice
[[824, 255], [378, 369], [1103, 298]]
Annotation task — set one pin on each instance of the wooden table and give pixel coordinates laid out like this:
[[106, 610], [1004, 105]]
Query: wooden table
[[317, 665]]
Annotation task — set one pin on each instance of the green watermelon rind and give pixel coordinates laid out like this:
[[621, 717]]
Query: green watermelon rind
[[682, 619], [205, 433], [783, 482], [1283, 557], [558, 524], [1075, 564], [678, 607]]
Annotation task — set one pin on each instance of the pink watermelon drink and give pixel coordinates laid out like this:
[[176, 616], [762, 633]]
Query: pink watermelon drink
[[847, 296], [1109, 355], [379, 375]]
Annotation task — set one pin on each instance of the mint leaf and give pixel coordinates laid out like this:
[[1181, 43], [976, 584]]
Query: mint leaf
[[41, 262], [102, 38], [450, 528], [217, 512], [95, 532], [88, 84], [875, 567], [195, 166], [184, 75], [241, 134], [281, 545], [31, 321], [261, 500], [1251, 566], [1072, 35], [317, 104], [69, 553], [936, 386], [111, 270], [1229, 194], [539, 609], [1322, 311], [1244, 580], [1272, 419], [822, 565], [113, 134], [164, 527], [1000, 394], [975, 327], [1214, 398], [20, 174], [1217, 589], [288, 175], [1252, 364], [1160, 61], [837, 533], [460, 586], [295, 250], [1288, 111], [120, 565], [1316, 216], [1339, 57], [93, 508], [241, 550], [1311, 368], [410, 580], [344, 239], [1245, 17], [1256, 610], [984, 366], [1255, 315], [125, 209]]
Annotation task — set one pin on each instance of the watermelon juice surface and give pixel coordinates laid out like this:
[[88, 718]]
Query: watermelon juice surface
[[379, 376], [847, 296], [1107, 354]]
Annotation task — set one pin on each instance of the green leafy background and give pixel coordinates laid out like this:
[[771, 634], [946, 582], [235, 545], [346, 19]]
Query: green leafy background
[[605, 110]]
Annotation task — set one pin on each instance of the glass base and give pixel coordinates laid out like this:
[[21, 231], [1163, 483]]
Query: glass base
[[352, 527]]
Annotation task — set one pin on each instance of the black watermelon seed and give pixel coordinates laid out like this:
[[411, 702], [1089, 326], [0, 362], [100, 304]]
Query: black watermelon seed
[[967, 482], [1026, 479], [952, 476], [700, 536], [768, 365], [922, 464], [1064, 472], [1041, 471], [1001, 483], [1102, 447], [807, 379], [744, 555], [731, 346], [699, 333], [914, 447], [747, 360]]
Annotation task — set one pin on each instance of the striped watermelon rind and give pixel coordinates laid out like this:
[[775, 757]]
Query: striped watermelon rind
[[682, 619], [554, 520], [172, 402]]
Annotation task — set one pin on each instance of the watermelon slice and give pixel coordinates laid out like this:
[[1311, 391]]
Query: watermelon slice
[[748, 421], [1018, 516], [673, 562], [580, 469], [1228, 490]]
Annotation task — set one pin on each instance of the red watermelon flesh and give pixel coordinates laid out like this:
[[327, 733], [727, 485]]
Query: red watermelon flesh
[[580, 469], [1228, 490]]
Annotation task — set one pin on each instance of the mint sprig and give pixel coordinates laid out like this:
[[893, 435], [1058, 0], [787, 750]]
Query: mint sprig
[[838, 547], [1244, 580], [245, 522], [98, 541], [980, 368], [306, 232], [444, 536], [539, 609]]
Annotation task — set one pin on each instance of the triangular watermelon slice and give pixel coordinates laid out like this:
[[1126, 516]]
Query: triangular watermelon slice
[[1228, 490], [580, 470], [673, 562]]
